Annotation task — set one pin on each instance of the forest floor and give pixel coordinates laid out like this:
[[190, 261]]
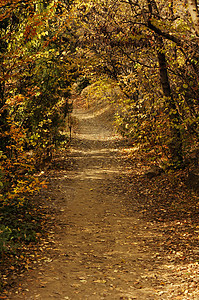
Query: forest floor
[[117, 234]]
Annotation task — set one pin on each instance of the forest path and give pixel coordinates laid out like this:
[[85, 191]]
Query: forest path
[[101, 244]]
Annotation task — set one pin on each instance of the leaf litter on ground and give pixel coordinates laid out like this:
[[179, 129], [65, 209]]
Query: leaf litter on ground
[[171, 208]]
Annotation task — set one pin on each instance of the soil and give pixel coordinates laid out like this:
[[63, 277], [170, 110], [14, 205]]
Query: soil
[[105, 244]]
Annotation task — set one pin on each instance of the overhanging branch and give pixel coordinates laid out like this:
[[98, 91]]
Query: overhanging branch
[[167, 36]]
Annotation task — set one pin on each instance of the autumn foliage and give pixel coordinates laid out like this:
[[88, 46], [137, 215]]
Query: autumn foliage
[[36, 71], [150, 50], [144, 51]]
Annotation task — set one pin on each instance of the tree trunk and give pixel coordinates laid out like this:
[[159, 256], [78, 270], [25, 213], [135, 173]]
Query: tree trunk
[[175, 145], [194, 12]]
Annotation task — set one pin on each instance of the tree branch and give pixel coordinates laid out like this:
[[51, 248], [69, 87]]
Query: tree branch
[[167, 36]]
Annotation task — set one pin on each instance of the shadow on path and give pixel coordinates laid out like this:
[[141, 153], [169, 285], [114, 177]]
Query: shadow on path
[[101, 251]]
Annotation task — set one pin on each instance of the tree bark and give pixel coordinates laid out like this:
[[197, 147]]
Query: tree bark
[[175, 144], [194, 12]]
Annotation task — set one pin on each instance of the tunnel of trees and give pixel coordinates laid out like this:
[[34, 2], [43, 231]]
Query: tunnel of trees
[[146, 48]]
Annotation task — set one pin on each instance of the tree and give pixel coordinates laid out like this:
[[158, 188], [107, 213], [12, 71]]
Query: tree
[[36, 71], [149, 49], [194, 12]]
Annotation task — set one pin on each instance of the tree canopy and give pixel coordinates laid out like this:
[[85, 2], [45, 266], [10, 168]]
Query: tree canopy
[[150, 49], [146, 48]]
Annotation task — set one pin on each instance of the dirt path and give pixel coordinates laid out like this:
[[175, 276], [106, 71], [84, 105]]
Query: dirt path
[[102, 247]]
